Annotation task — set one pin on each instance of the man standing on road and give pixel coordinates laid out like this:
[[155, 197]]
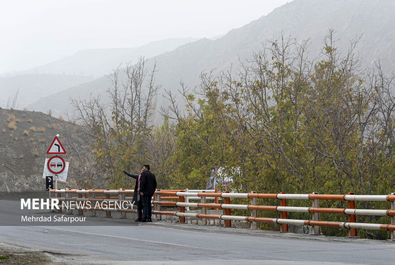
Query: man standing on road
[[143, 192], [147, 189], [136, 194]]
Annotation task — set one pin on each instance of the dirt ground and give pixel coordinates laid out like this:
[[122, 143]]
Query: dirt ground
[[10, 254]]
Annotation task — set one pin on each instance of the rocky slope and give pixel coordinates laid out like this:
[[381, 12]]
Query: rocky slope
[[24, 139]]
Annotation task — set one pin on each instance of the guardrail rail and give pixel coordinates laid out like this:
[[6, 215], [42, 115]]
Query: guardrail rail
[[184, 200]]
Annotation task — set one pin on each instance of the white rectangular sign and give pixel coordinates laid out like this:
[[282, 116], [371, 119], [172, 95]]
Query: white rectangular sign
[[62, 177]]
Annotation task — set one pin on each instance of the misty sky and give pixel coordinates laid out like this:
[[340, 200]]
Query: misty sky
[[35, 32]]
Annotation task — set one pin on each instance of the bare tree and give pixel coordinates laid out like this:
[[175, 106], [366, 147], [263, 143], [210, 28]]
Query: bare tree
[[122, 128]]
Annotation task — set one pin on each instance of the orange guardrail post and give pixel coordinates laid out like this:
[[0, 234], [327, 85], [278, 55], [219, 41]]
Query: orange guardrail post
[[203, 211], [108, 213], [253, 224], [316, 216], [66, 197], [59, 197], [182, 209], [283, 215], [93, 196], [79, 210], [393, 218], [227, 223], [157, 206], [86, 197], [216, 199], [121, 197], [352, 218]]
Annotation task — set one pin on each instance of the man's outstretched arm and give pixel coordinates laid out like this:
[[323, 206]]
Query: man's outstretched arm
[[135, 176]]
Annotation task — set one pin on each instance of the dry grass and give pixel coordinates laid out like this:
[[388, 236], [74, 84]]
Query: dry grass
[[26, 132], [12, 125], [11, 117], [55, 126], [35, 129], [12, 122]]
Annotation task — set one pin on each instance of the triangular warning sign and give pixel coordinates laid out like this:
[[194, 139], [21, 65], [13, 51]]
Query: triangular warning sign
[[56, 147]]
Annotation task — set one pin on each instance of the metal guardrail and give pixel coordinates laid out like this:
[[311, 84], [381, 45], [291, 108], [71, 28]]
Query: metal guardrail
[[182, 200]]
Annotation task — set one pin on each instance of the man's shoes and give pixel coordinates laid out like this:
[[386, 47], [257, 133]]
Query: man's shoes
[[149, 220], [144, 220], [139, 220]]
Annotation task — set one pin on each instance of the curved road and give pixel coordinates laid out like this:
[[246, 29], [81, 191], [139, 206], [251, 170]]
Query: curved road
[[114, 241], [162, 243]]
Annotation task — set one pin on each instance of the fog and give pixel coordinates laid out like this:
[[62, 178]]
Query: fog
[[40, 31]]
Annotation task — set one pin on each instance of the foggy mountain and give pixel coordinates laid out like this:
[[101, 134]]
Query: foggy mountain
[[370, 20], [24, 88], [99, 62], [21, 90]]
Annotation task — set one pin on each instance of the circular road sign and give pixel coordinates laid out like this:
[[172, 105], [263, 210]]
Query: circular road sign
[[56, 165]]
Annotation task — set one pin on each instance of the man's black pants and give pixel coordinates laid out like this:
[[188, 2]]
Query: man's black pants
[[147, 210], [140, 209], [144, 208]]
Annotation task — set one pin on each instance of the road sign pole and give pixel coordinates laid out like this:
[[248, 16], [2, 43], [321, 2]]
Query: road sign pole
[[56, 165]]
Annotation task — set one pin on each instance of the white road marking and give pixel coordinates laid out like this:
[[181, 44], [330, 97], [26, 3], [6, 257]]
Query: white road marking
[[128, 238]]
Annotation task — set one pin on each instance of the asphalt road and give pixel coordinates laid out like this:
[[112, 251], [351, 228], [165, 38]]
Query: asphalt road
[[164, 243]]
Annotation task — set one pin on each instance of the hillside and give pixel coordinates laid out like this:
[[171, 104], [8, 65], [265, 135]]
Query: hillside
[[370, 20], [24, 139]]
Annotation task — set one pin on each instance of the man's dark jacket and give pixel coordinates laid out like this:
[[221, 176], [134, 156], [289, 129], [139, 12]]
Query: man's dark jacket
[[136, 177], [147, 185]]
